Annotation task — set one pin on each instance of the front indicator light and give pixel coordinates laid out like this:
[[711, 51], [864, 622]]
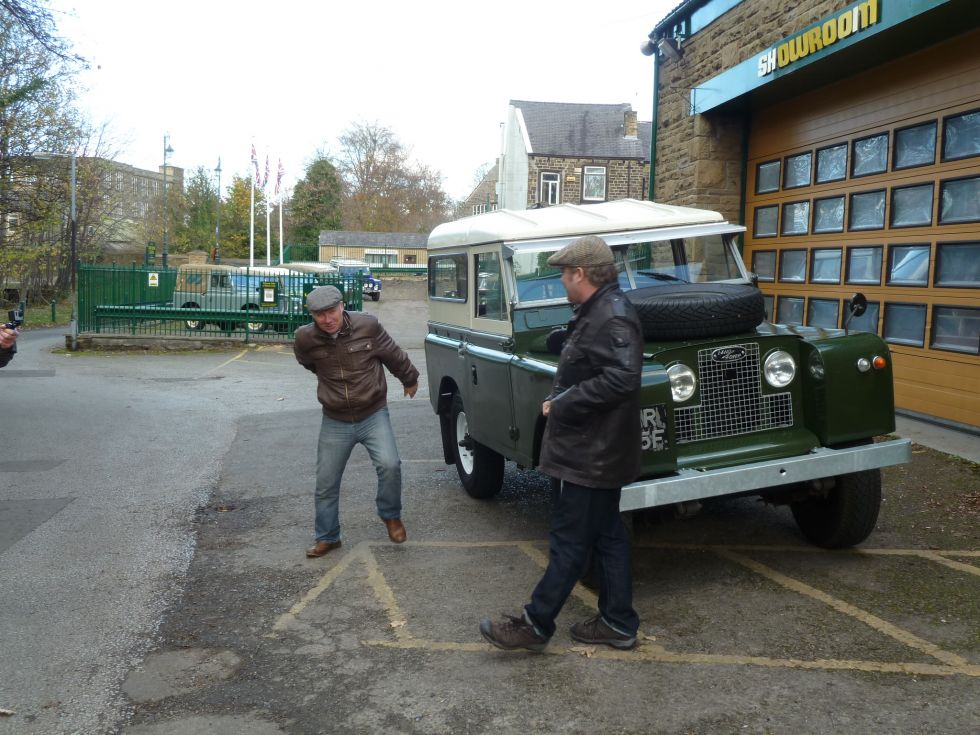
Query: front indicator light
[[682, 382], [878, 362], [780, 369]]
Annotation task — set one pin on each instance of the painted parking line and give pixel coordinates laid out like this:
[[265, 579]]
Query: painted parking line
[[647, 650]]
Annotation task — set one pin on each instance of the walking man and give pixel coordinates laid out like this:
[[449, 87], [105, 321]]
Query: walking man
[[592, 444], [8, 344], [349, 353]]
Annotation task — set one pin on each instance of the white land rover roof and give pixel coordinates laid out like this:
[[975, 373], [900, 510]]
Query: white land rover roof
[[509, 225]]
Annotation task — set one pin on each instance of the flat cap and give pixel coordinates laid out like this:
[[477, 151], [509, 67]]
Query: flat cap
[[323, 297], [585, 251]]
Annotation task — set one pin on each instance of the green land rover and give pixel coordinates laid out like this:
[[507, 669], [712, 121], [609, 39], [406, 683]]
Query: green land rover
[[731, 404]]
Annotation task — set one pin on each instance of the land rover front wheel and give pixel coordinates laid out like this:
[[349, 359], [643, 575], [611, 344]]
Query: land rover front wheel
[[481, 470], [845, 515], [253, 326]]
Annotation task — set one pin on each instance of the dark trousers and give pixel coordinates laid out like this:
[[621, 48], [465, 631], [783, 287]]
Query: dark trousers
[[586, 519]]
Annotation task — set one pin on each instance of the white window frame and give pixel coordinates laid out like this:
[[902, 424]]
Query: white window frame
[[550, 189], [593, 171]]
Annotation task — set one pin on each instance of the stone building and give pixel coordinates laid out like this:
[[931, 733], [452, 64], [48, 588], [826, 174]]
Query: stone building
[[846, 137], [483, 198], [559, 153]]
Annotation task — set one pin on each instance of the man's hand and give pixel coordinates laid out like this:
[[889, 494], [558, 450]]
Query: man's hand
[[546, 407], [410, 390], [7, 338]]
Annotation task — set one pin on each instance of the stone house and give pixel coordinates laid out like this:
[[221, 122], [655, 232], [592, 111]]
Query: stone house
[[561, 153]]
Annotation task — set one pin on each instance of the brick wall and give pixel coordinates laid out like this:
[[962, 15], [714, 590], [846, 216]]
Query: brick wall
[[699, 157], [624, 178]]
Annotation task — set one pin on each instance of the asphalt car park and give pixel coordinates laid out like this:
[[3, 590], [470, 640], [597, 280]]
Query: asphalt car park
[[745, 627]]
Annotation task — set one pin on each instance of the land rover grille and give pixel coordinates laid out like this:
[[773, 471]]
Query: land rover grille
[[732, 401]]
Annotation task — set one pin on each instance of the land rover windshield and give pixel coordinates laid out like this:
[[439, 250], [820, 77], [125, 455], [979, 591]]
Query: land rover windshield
[[641, 264]]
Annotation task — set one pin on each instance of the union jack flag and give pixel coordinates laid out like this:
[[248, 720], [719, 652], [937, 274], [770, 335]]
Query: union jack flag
[[265, 178], [255, 162], [279, 173]]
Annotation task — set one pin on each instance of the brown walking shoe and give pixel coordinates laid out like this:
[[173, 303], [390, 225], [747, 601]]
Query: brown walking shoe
[[513, 632], [595, 631], [396, 531], [320, 548]]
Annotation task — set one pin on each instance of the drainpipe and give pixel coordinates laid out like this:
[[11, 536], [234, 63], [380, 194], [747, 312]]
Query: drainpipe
[[653, 126]]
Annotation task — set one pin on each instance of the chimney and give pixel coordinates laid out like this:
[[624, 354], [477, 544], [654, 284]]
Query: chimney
[[629, 124]]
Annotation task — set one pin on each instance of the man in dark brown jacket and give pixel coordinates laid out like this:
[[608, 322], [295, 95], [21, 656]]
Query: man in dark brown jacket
[[349, 353], [592, 444]]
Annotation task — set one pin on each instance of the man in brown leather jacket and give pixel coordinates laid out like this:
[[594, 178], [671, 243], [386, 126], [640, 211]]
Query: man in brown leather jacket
[[592, 444], [349, 353]]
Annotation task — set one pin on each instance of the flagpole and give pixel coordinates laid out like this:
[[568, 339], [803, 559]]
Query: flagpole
[[268, 235], [251, 228], [280, 229]]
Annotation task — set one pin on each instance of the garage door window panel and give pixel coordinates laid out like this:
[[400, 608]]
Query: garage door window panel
[[961, 136], [958, 264], [796, 218], [798, 171], [867, 322], [912, 206], [915, 146], [870, 155], [767, 177], [832, 163], [864, 265], [764, 265], [792, 266], [825, 265], [766, 221], [828, 215], [867, 210], [959, 201], [789, 310], [905, 324], [908, 265], [824, 313], [956, 328]]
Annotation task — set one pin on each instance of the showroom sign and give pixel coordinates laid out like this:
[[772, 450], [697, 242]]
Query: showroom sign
[[823, 35]]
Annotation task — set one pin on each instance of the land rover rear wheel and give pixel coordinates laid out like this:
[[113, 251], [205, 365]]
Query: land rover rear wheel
[[481, 470], [846, 515], [194, 324]]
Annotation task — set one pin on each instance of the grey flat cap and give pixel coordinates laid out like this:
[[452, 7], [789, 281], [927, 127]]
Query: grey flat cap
[[585, 251], [323, 297]]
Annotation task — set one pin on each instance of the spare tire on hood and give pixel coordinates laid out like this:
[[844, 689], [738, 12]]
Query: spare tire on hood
[[697, 310]]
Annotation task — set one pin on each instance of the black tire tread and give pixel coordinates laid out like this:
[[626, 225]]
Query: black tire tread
[[697, 310]]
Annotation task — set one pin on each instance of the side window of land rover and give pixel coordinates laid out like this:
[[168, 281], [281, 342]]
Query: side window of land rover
[[447, 277]]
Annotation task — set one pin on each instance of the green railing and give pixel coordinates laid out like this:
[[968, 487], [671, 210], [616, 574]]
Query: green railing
[[254, 303]]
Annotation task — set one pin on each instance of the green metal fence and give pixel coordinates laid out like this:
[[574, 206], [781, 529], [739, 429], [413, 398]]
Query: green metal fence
[[251, 303]]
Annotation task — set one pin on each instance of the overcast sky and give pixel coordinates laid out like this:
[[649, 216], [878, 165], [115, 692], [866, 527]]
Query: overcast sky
[[291, 75]]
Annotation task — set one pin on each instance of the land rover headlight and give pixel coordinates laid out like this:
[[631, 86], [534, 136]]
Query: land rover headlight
[[682, 382], [780, 369]]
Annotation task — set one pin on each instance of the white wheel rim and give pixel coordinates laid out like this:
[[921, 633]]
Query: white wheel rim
[[465, 455]]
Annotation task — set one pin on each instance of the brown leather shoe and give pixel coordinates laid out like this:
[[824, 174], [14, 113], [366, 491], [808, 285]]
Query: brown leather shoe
[[396, 531], [320, 548]]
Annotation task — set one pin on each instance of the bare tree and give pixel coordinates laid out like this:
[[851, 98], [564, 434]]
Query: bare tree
[[384, 191]]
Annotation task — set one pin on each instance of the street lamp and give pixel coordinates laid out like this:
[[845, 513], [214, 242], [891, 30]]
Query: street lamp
[[217, 228], [166, 199]]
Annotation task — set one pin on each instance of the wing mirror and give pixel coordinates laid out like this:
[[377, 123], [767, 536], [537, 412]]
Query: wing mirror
[[858, 305]]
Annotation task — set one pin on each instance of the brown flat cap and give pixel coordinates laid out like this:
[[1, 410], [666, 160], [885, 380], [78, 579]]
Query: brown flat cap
[[585, 251]]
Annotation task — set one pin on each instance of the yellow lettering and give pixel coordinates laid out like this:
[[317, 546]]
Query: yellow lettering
[[814, 36], [798, 48], [844, 25], [829, 32], [868, 12], [782, 54]]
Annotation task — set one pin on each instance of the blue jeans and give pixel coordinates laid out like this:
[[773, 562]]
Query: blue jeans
[[337, 440], [586, 519]]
